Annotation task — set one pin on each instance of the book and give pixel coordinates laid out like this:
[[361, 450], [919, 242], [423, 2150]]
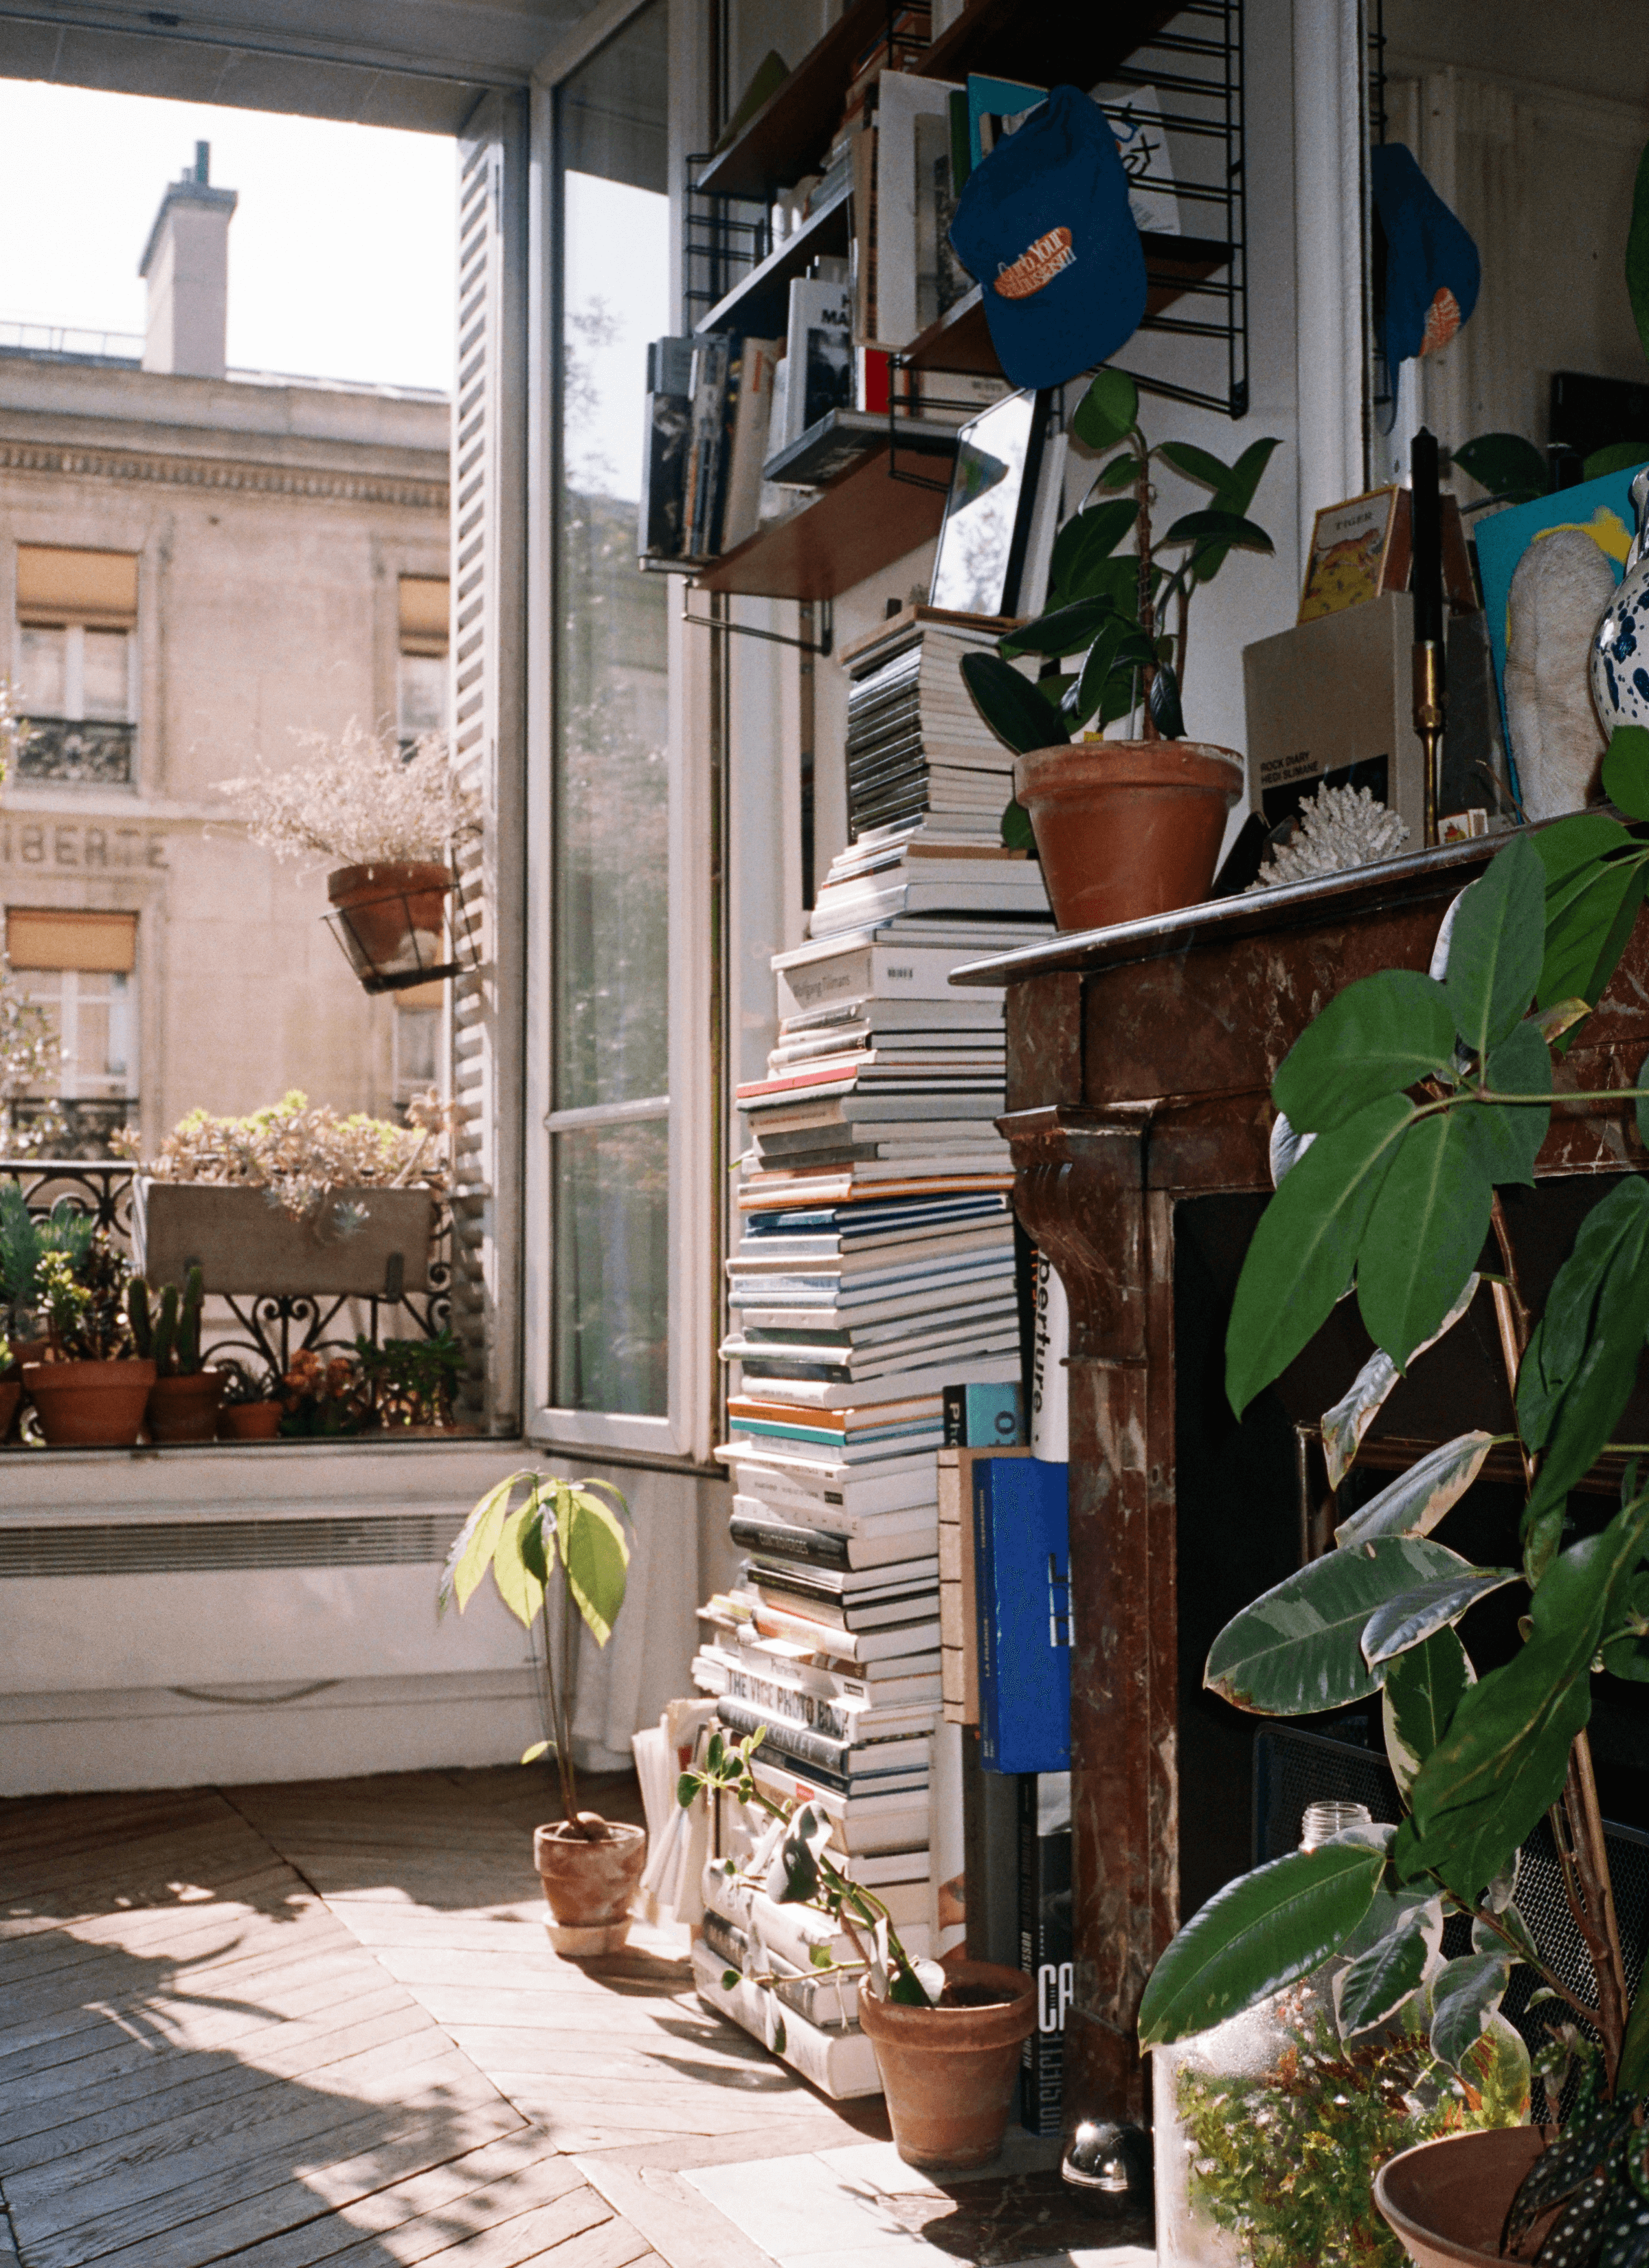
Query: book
[[821, 1396], [1046, 1950], [880, 1685], [666, 424], [727, 1672], [876, 1178], [978, 1417], [741, 510], [959, 1607], [791, 1592], [896, 1642], [841, 2065], [1022, 1577], [847, 1760], [756, 1526], [850, 1503], [1358, 550], [903, 101], [854, 967], [830, 1999], [792, 1932], [819, 351], [710, 358], [862, 1825], [1050, 1380]]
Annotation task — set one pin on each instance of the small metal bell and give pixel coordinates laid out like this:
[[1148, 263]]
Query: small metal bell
[[1110, 2160]]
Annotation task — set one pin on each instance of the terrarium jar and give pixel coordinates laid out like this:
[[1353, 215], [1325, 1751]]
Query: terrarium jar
[[1192, 2079]]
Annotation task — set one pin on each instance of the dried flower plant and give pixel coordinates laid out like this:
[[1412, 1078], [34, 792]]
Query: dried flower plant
[[303, 1153], [30, 1062], [355, 800], [13, 731]]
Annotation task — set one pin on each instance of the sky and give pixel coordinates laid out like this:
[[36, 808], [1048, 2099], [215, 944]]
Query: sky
[[340, 253]]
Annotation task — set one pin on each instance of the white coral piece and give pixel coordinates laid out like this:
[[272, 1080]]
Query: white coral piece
[[1339, 827]]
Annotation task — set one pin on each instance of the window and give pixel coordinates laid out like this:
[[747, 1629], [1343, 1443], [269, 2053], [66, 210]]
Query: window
[[82, 969], [76, 663], [420, 1012], [609, 1118], [423, 674]]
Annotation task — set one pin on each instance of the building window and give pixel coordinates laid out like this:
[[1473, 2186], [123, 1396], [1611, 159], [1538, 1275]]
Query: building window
[[81, 968], [76, 664], [423, 676], [420, 1016]]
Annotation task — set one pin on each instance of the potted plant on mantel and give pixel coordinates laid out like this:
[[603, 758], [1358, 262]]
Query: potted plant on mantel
[[183, 1400], [93, 1390], [1124, 828], [389, 823], [293, 1199], [1403, 1107], [947, 2035], [561, 1540]]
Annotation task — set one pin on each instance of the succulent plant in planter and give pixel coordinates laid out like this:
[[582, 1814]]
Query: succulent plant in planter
[[557, 1557], [93, 1391], [1407, 1103], [947, 2037], [1124, 827]]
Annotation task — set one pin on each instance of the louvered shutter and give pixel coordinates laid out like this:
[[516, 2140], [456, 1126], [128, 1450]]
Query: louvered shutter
[[488, 710]]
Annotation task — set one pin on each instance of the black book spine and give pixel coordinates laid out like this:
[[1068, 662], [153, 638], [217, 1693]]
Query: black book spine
[[1045, 1953], [819, 1549]]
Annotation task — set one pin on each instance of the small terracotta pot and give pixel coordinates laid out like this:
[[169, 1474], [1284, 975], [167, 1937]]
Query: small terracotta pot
[[250, 1421], [949, 2075], [588, 1885], [1127, 829], [186, 1409], [10, 1395], [1447, 2199], [90, 1405], [393, 915]]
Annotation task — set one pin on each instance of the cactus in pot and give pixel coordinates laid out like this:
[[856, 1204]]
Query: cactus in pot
[[183, 1405]]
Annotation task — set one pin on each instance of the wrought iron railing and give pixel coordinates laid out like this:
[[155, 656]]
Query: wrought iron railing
[[254, 1332], [62, 749]]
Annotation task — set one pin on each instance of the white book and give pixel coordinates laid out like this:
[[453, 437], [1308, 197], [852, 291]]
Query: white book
[[752, 414], [845, 1502], [841, 2065], [902, 98], [856, 967], [879, 1684], [896, 1644], [835, 1255], [856, 1393], [819, 351]]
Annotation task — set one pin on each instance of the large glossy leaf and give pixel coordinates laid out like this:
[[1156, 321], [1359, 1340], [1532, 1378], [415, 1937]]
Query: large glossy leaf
[[1108, 411], [1012, 708], [1067, 629], [1496, 2070], [1422, 1691], [595, 1554], [1589, 917], [1626, 770], [1479, 1793], [1618, 457], [1260, 1932], [1196, 464], [1085, 696], [1344, 1426], [1558, 1342], [1467, 1993], [1504, 464], [518, 1587], [1505, 1136], [1375, 1986], [1377, 1037], [1085, 540], [1569, 846], [1300, 1260], [1223, 527], [1414, 1503], [1237, 493], [1415, 1614], [471, 1554], [1496, 946], [1425, 1231], [1297, 1648]]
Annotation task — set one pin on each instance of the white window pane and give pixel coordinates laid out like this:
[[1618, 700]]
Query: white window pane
[[612, 1340], [423, 680], [42, 685], [107, 684], [417, 1050]]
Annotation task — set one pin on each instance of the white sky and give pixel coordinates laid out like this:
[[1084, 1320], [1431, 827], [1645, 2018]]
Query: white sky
[[618, 271], [341, 251]]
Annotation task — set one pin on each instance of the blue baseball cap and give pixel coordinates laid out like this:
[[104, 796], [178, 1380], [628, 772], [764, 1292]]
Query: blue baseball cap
[[1432, 270], [1044, 225]]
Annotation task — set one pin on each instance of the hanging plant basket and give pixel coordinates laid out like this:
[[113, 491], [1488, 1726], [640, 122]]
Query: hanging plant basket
[[396, 921]]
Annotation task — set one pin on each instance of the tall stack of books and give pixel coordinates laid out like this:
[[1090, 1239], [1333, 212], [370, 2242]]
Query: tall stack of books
[[917, 750]]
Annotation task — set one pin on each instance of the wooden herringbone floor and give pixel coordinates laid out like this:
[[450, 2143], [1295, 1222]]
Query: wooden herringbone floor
[[320, 2026]]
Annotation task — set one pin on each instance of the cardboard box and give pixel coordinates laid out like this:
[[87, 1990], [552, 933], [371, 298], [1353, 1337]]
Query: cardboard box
[[1334, 699]]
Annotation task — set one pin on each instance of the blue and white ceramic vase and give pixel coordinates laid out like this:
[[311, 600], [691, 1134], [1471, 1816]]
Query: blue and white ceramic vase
[[1620, 645]]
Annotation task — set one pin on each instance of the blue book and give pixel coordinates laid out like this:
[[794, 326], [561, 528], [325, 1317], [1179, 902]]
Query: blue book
[[983, 1417], [1022, 1577]]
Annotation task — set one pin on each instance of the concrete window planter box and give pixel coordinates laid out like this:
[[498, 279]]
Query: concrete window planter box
[[242, 1243]]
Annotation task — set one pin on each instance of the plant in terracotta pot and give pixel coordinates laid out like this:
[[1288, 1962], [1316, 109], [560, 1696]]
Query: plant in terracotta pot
[[559, 1557], [93, 1390], [947, 2036], [184, 1398], [1124, 827], [1402, 1110], [388, 823], [250, 1410]]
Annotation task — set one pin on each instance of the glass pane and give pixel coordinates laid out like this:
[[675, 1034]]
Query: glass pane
[[611, 810], [612, 1267], [106, 689], [423, 678], [41, 685]]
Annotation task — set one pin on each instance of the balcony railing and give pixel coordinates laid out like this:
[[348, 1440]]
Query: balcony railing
[[252, 1331], [60, 749]]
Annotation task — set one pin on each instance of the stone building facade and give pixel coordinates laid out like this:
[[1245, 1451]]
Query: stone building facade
[[196, 565]]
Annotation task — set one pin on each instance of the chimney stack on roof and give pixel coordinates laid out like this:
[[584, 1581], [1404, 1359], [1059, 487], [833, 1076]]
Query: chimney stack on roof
[[186, 265]]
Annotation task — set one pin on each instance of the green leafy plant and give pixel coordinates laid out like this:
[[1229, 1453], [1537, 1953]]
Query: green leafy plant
[[323, 1396], [1125, 614], [413, 1380], [171, 1337], [799, 1871], [561, 1538], [1420, 1097], [84, 1300], [26, 1239]]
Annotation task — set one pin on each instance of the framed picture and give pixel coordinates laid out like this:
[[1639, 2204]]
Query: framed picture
[[980, 566], [1359, 550]]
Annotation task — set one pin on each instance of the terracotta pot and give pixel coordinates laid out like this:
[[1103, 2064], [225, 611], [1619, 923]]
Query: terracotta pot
[[950, 2073], [588, 1885], [10, 1395], [186, 1409], [90, 1405], [1447, 2199], [1127, 829], [394, 915], [250, 1421]]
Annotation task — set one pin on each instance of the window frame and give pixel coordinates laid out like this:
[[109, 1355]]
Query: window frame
[[683, 1436]]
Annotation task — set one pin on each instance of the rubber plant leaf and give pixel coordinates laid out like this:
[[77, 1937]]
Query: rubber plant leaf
[[1626, 770], [1423, 1689], [1067, 629], [1297, 1647], [1378, 1982], [1086, 539], [1425, 1231], [1619, 457], [1497, 2068], [1415, 1614], [1121, 473], [1638, 252], [1377, 1037], [1504, 464], [1414, 1503], [1014, 711], [1467, 1993], [1300, 1259], [1480, 1791], [1258, 1934], [1196, 464], [1634, 2055], [1165, 712], [471, 1554], [1017, 833], [1578, 842], [1588, 919], [1224, 527], [1236, 494], [1497, 944], [1109, 411], [1559, 1342], [1086, 689], [1344, 1426], [518, 1587], [1506, 1135], [596, 1555]]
